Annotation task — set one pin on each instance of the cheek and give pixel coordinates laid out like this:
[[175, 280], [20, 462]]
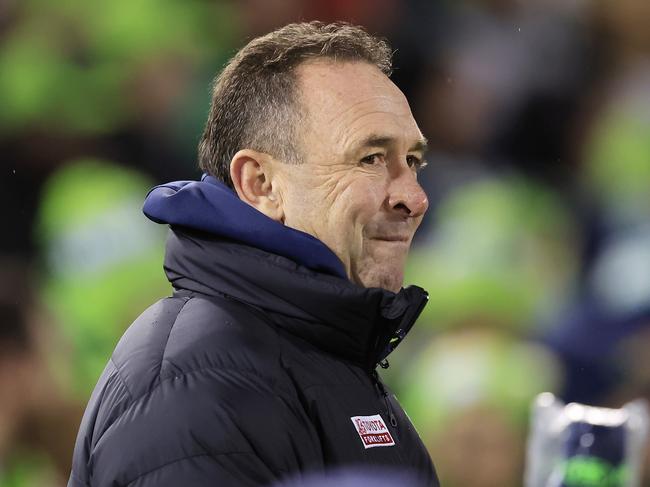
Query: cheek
[[355, 209], [361, 201]]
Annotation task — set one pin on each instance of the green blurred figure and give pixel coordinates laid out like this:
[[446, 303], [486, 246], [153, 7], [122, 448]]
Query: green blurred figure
[[102, 262], [82, 64], [502, 260], [503, 250]]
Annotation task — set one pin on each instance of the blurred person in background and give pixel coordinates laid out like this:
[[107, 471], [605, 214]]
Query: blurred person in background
[[552, 92], [355, 477], [614, 194], [499, 261], [35, 415], [101, 264], [287, 261], [83, 86], [498, 89]]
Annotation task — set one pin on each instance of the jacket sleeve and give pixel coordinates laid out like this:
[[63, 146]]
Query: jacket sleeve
[[204, 428]]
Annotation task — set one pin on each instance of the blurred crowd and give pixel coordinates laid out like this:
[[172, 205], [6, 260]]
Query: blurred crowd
[[535, 250]]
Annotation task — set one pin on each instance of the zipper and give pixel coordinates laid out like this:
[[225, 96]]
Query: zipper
[[392, 419], [418, 299]]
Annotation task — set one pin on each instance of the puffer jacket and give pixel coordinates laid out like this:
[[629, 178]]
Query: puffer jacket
[[260, 367]]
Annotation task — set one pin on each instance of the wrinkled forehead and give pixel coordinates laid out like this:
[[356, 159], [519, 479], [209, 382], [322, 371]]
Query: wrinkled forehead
[[342, 93]]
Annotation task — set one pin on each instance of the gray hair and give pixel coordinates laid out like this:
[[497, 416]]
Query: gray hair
[[255, 103]]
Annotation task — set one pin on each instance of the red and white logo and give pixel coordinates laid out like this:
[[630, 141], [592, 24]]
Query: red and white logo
[[372, 431]]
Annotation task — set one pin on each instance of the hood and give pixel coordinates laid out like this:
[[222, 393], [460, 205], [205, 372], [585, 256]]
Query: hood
[[210, 206]]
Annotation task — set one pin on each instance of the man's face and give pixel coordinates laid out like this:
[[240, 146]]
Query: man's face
[[357, 188]]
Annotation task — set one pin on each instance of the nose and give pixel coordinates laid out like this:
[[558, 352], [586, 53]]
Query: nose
[[405, 194]]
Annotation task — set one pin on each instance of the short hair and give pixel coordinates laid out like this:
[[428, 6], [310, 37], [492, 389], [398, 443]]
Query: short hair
[[255, 101]]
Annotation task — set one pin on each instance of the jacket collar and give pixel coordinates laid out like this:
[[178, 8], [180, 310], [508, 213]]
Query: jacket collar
[[362, 325], [219, 245]]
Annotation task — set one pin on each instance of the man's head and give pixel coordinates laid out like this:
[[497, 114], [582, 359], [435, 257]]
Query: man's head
[[306, 127]]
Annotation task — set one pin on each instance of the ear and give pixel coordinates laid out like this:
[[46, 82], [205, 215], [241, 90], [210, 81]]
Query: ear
[[252, 177]]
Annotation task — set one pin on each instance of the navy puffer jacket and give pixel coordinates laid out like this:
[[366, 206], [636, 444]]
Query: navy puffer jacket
[[260, 367]]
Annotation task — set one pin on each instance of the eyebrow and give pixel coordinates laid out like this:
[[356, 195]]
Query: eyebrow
[[376, 140]]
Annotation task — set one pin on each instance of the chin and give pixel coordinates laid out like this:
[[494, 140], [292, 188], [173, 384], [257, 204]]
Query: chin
[[391, 281], [393, 285]]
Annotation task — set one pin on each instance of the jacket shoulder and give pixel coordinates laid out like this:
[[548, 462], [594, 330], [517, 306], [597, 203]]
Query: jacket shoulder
[[194, 379], [179, 335], [235, 422], [207, 394]]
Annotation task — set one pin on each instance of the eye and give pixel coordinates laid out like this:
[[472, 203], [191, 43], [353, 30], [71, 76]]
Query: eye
[[415, 162], [373, 159]]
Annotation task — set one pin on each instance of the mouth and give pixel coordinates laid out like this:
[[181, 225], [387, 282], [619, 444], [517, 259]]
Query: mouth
[[393, 238]]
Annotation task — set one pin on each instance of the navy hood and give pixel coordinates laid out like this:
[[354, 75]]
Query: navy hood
[[210, 206]]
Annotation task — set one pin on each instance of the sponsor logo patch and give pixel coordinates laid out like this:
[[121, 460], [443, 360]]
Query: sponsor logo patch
[[372, 431]]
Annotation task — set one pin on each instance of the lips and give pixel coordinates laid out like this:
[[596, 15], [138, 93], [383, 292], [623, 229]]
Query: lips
[[396, 233], [393, 238]]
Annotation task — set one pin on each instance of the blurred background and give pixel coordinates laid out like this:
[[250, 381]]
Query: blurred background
[[535, 251]]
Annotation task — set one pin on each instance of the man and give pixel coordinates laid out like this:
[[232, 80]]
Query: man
[[261, 366]]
